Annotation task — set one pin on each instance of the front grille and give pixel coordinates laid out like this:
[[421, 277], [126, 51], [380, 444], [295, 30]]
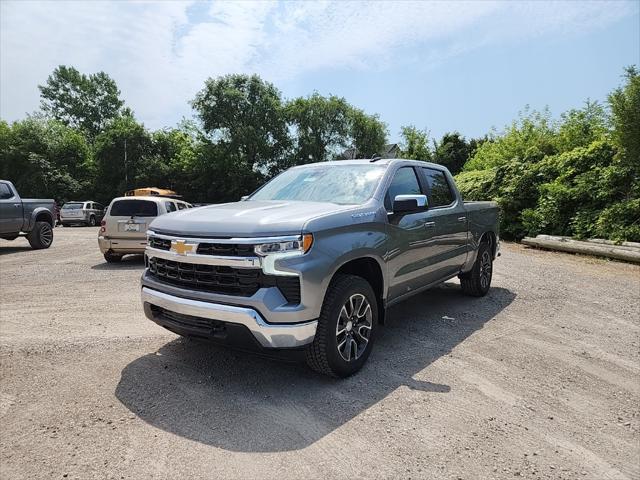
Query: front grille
[[226, 249], [160, 243], [203, 326], [219, 249], [211, 278], [243, 282]]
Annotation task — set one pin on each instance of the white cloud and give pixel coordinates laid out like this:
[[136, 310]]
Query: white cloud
[[160, 53]]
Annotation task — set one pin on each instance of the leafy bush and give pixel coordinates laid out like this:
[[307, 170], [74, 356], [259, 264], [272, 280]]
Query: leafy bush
[[578, 177]]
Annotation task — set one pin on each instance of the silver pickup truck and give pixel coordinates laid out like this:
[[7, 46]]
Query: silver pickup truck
[[34, 218], [313, 259]]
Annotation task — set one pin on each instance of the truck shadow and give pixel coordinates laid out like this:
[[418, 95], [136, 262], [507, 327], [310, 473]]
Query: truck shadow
[[242, 402], [6, 250], [128, 262]]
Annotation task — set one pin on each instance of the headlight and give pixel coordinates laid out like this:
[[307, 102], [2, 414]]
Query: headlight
[[300, 245]]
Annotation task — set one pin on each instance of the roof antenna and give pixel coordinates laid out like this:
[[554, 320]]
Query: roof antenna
[[375, 158]]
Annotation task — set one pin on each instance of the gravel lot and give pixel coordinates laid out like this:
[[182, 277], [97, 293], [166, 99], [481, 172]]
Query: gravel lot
[[540, 379]]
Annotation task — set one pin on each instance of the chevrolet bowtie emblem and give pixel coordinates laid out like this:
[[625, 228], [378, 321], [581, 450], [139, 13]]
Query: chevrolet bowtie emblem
[[180, 247]]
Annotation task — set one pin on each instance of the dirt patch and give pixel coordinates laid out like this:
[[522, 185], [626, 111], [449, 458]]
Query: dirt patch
[[537, 380]]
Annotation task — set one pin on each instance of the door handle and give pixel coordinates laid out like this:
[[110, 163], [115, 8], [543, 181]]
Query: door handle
[[16, 204], [462, 219], [429, 224]]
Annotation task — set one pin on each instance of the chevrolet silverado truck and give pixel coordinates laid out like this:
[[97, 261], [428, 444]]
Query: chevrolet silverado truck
[[30, 217], [314, 258]]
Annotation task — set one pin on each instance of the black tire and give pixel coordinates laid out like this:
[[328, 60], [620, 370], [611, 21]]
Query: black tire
[[92, 221], [112, 257], [477, 281], [41, 236], [324, 355]]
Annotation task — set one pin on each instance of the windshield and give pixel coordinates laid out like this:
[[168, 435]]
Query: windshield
[[134, 208], [72, 206], [341, 184]]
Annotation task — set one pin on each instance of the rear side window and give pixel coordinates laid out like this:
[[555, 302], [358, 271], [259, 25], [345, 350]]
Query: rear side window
[[441, 193], [134, 208], [404, 182], [5, 191]]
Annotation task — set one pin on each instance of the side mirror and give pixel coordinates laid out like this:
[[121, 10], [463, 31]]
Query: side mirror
[[403, 204], [243, 198]]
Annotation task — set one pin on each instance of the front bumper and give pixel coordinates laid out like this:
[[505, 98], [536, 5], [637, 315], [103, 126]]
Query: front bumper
[[218, 321]]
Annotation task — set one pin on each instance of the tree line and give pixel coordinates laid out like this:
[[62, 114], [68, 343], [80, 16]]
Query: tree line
[[576, 176]]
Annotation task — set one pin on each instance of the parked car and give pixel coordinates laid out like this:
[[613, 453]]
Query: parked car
[[81, 213], [313, 259], [123, 229], [30, 217]]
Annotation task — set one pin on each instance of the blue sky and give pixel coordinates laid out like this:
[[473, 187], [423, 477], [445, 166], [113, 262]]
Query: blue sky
[[466, 66]]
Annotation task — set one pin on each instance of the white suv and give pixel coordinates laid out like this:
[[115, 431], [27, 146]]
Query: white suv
[[124, 227]]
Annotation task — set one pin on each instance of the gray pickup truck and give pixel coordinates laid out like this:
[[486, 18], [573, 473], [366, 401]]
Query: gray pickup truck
[[32, 217], [313, 259]]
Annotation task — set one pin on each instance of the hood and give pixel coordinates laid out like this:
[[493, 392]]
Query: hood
[[244, 219]]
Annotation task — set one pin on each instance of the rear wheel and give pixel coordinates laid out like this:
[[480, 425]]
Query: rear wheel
[[111, 257], [346, 327], [478, 281], [92, 221], [41, 236]]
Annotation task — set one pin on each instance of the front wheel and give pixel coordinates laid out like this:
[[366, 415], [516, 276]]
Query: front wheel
[[41, 236], [477, 281], [346, 327], [92, 221]]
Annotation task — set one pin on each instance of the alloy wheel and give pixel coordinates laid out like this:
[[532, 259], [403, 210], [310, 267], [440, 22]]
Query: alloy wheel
[[46, 235], [354, 327], [485, 269]]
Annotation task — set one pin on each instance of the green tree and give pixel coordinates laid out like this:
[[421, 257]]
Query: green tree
[[243, 115], [452, 151], [322, 128], [45, 158], [86, 102], [120, 154], [581, 127], [168, 161], [414, 143], [368, 133], [625, 112]]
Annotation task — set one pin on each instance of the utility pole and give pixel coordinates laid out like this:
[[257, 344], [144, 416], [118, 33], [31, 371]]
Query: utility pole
[[126, 175]]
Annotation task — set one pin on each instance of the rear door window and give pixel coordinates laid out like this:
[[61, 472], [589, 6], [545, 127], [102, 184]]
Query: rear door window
[[134, 208], [5, 191], [181, 206], [439, 188], [170, 206]]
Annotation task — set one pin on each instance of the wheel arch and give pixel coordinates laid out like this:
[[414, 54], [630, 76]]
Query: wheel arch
[[371, 269], [42, 215]]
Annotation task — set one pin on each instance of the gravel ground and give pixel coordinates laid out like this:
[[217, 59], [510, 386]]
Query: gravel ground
[[540, 379]]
